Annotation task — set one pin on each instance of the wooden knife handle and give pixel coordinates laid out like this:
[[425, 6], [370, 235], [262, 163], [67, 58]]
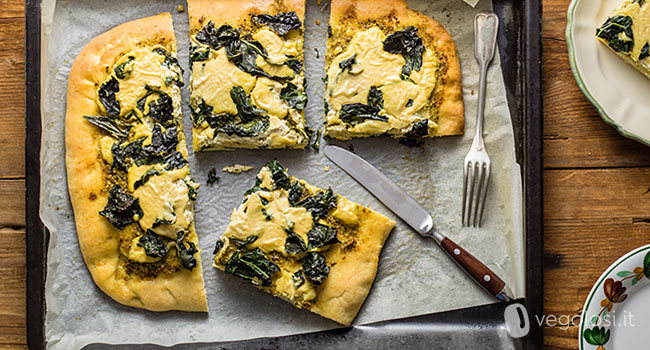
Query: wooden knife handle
[[474, 267]]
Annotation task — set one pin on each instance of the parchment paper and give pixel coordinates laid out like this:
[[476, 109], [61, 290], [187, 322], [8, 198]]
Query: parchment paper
[[414, 277]]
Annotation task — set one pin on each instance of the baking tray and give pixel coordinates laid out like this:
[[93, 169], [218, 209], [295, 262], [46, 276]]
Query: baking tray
[[481, 327]]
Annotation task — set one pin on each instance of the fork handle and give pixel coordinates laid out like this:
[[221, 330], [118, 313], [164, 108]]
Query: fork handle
[[477, 270], [486, 26]]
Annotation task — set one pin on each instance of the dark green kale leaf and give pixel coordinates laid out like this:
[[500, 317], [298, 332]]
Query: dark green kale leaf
[[376, 98], [163, 142], [161, 110], [348, 63], [263, 200], [246, 111], [191, 190], [242, 52], [243, 243], [199, 53], [315, 144], [294, 63], [124, 151], [120, 71], [186, 254], [295, 193], [267, 216], [143, 180], [645, 51], [293, 96], [252, 266], [282, 23], [153, 245], [255, 188], [172, 63], [320, 204], [640, 2], [611, 32], [218, 246], [409, 103], [321, 235], [413, 137], [357, 113], [315, 267], [279, 175], [250, 129], [122, 208], [298, 279], [107, 97], [408, 44], [114, 127], [174, 160], [294, 243], [212, 176], [202, 112]]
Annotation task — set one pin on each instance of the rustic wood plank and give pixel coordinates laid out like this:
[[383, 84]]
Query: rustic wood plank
[[574, 134], [592, 217], [12, 213], [12, 95], [12, 280], [12, 8]]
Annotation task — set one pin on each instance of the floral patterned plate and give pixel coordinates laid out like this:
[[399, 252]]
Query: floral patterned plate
[[616, 315]]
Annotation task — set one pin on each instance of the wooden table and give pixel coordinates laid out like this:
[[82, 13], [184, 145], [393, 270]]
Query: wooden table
[[597, 184]]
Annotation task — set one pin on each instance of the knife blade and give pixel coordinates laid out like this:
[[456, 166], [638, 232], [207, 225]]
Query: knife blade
[[416, 216]]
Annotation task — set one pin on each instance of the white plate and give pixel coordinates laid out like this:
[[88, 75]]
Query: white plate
[[616, 315], [619, 92]]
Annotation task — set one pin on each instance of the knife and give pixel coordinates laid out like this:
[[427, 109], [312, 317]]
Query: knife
[[407, 208]]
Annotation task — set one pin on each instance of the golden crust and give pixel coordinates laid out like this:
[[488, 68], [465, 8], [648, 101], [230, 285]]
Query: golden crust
[[97, 237], [449, 93], [343, 292], [234, 12]]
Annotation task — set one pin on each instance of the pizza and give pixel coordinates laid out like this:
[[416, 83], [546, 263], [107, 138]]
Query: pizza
[[627, 33], [128, 175], [308, 246], [390, 70], [247, 74]]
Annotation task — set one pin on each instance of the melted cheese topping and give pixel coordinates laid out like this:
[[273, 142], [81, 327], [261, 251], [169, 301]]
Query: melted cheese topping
[[163, 197], [640, 27], [405, 102], [106, 148], [213, 79], [145, 70], [249, 219]]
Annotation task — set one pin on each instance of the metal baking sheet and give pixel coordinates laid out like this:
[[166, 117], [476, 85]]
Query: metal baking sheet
[[520, 52]]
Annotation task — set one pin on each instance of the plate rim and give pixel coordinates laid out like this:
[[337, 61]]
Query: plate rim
[[597, 285], [583, 87]]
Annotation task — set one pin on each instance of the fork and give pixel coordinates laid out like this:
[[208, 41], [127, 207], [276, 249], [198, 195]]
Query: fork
[[477, 166]]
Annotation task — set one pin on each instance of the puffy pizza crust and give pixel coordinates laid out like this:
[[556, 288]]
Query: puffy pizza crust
[[182, 290], [449, 91]]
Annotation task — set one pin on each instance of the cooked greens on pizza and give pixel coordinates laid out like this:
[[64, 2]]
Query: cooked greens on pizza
[[309, 246], [627, 33], [247, 76], [390, 71], [128, 173]]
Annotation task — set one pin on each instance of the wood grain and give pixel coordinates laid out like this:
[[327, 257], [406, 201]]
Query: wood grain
[[593, 217], [574, 134], [12, 97]]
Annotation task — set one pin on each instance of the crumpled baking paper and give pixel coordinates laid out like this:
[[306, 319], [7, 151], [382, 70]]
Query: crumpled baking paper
[[414, 277]]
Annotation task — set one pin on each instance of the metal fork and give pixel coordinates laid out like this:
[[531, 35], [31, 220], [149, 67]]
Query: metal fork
[[477, 165]]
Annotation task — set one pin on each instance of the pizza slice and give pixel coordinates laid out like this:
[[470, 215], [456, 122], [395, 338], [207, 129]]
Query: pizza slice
[[247, 74], [128, 175], [627, 33], [311, 247], [390, 70]]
